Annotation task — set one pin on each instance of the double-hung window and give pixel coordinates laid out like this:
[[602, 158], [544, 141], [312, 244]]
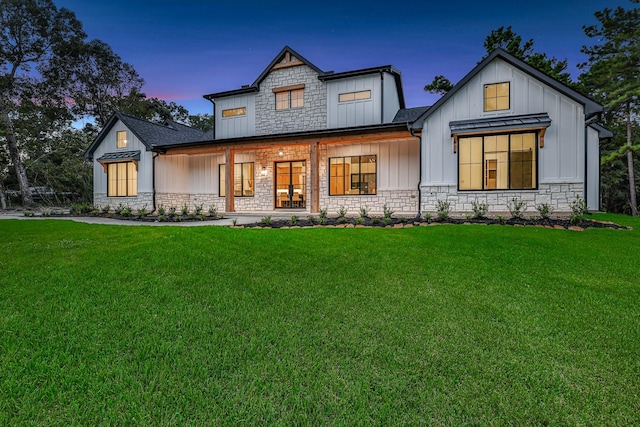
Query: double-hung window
[[498, 162]]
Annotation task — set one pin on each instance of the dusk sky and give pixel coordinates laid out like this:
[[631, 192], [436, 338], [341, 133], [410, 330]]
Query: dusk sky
[[185, 49]]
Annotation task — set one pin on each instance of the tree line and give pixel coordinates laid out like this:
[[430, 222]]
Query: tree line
[[51, 76]]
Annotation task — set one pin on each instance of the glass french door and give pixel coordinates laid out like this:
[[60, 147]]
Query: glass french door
[[291, 185]]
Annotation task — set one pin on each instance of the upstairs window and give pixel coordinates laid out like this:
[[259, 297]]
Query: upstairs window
[[233, 112], [121, 139], [496, 97], [354, 96], [289, 97]]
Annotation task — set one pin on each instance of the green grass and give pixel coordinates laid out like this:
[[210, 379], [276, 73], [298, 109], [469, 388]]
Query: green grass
[[448, 325]]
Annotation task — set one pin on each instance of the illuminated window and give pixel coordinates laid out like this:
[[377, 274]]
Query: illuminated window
[[497, 162], [352, 175], [121, 138], [288, 99], [232, 112], [496, 97], [354, 96], [122, 179], [242, 180]]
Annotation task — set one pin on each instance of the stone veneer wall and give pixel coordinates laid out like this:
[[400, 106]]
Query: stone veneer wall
[[142, 199], [312, 116], [191, 200], [558, 196]]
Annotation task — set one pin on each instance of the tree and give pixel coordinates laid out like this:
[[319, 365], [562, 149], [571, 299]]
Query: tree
[[510, 41], [440, 84], [204, 122], [32, 32], [613, 76]]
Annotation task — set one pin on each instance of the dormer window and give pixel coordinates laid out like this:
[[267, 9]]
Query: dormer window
[[289, 97], [496, 96], [121, 139]]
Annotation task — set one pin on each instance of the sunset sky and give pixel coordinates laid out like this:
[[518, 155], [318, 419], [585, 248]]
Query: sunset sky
[[185, 49]]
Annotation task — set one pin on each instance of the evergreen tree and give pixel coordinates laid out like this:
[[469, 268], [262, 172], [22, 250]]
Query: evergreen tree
[[613, 76]]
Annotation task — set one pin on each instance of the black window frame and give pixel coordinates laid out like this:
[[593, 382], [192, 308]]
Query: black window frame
[[126, 179], [348, 179], [483, 136], [242, 189], [484, 97]]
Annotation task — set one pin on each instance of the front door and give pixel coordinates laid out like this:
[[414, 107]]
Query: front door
[[291, 185]]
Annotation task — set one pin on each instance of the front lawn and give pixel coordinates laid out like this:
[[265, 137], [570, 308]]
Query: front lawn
[[449, 325]]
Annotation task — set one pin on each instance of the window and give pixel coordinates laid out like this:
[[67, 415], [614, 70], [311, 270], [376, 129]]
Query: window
[[121, 138], [289, 98], [232, 112], [352, 175], [497, 162], [242, 180], [122, 179], [354, 96], [496, 97]]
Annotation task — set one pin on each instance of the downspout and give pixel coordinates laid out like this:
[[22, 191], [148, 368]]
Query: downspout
[[213, 125], [381, 97], [153, 178], [420, 168]]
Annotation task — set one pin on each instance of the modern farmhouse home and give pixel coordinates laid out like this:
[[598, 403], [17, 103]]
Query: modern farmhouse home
[[300, 139]]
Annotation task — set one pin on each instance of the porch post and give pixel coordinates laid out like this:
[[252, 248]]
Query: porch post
[[315, 176], [229, 185]]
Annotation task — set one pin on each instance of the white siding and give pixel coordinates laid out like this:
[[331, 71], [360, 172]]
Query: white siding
[[561, 159], [593, 166], [391, 100], [237, 126], [108, 145], [397, 162], [354, 113]]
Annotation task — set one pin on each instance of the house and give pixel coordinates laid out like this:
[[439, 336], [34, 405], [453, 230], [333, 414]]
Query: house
[[299, 139]]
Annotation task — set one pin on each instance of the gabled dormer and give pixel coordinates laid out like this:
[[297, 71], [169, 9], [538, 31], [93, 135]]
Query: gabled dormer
[[294, 95]]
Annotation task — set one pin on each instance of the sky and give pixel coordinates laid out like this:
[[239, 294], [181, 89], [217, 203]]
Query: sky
[[184, 49]]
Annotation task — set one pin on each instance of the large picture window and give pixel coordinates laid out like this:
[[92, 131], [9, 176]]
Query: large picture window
[[242, 180], [122, 179], [353, 175], [497, 162]]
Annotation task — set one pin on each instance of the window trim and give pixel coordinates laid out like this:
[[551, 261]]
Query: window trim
[[354, 93], [221, 188], [536, 134], [125, 141], [348, 179], [127, 179], [230, 113], [484, 97]]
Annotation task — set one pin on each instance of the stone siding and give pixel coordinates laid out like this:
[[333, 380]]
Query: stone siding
[[558, 196], [313, 115], [191, 200], [135, 203]]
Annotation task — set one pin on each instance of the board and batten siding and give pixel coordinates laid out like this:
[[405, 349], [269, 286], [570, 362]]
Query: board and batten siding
[[562, 158], [236, 126], [108, 145], [354, 113], [391, 103]]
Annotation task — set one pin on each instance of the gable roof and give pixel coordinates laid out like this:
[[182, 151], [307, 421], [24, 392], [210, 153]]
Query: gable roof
[[256, 84], [152, 135], [591, 107]]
